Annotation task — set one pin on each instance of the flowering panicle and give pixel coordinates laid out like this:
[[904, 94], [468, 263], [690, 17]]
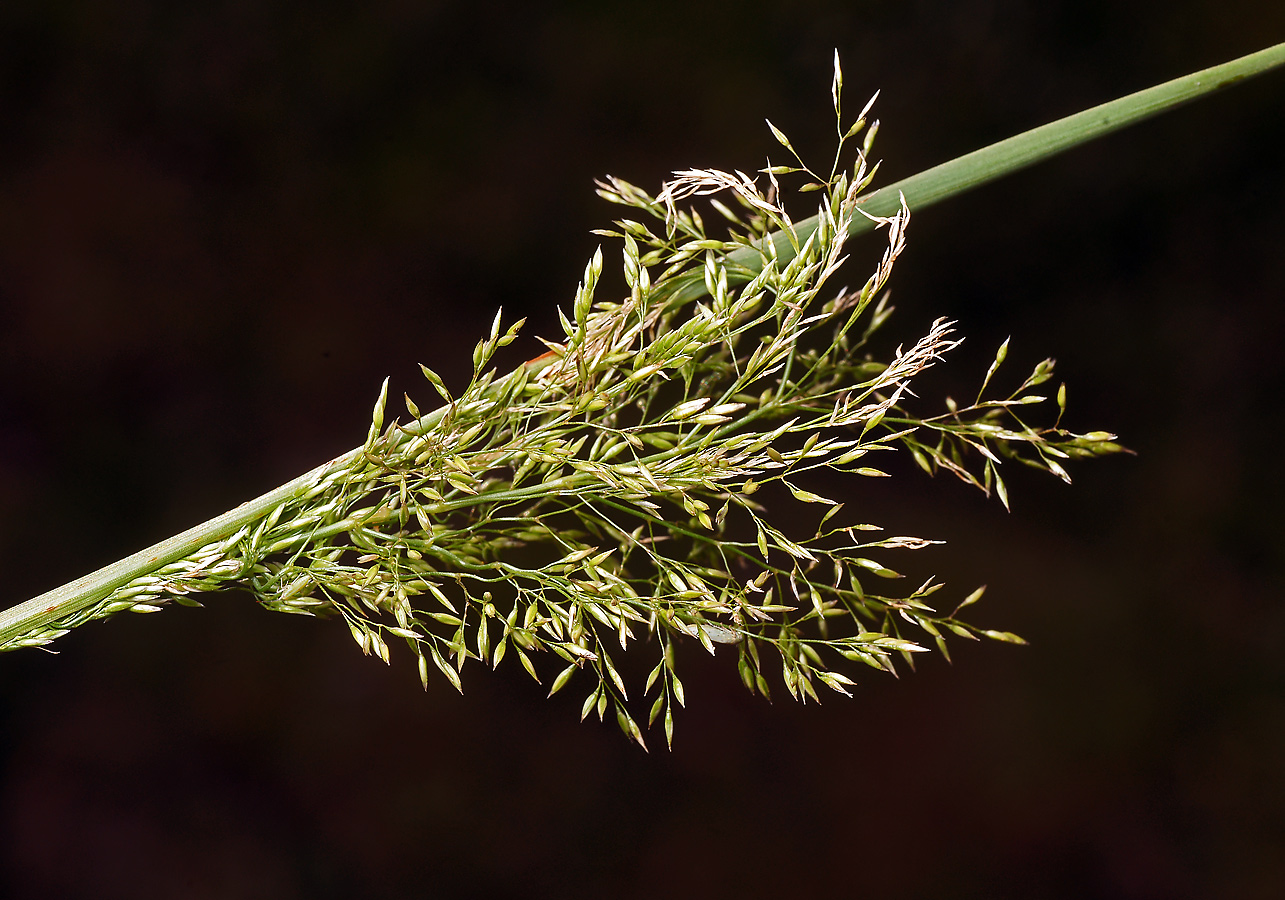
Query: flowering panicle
[[607, 494]]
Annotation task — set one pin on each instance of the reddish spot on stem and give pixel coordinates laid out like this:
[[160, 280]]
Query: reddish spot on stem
[[547, 354]]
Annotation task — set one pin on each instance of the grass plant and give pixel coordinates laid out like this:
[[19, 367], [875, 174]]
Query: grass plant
[[626, 489]]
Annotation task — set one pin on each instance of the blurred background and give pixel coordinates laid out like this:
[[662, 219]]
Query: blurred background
[[222, 224]]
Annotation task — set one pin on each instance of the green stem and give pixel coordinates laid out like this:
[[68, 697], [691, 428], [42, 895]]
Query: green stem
[[90, 589], [922, 190], [1016, 153], [37, 612]]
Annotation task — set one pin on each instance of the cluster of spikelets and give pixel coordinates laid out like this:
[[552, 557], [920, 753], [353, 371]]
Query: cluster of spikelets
[[617, 489]]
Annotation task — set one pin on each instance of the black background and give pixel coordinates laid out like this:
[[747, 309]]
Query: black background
[[222, 224]]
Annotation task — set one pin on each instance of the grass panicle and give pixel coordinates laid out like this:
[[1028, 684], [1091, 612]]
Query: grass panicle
[[624, 491]]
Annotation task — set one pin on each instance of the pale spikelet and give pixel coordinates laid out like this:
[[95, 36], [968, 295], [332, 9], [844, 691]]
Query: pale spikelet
[[704, 182]]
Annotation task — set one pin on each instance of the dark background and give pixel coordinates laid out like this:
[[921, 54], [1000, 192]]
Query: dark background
[[222, 224]]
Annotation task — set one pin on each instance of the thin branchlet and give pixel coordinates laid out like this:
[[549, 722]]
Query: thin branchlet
[[607, 494]]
